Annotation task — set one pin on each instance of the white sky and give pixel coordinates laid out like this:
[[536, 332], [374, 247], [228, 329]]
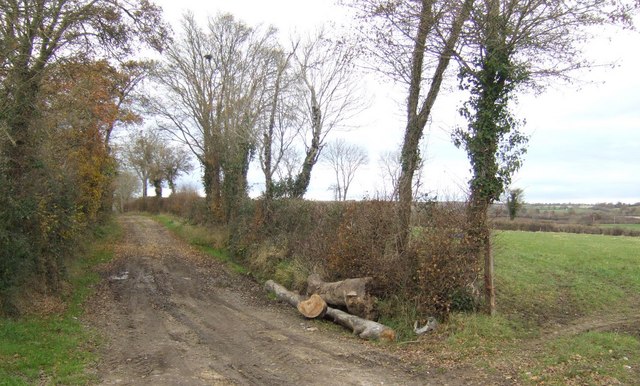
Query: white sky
[[584, 145]]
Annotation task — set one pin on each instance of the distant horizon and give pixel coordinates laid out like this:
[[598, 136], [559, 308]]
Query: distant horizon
[[200, 191]]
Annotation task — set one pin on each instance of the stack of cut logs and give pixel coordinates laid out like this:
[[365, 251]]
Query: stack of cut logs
[[351, 294]]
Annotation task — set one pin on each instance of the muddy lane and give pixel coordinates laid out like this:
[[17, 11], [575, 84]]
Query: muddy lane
[[171, 316]]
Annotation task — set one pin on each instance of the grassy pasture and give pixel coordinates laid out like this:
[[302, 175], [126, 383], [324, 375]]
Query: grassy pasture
[[562, 275], [568, 312]]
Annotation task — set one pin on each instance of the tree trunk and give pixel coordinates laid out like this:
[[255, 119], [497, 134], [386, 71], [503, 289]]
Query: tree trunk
[[301, 184], [157, 186], [480, 247], [365, 329], [350, 293], [489, 287], [145, 185], [417, 119], [282, 293], [212, 186]]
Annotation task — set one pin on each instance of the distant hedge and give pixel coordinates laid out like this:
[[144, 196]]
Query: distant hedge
[[547, 226]]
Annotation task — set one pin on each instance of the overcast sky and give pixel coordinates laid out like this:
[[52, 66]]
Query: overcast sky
[[584, 139]]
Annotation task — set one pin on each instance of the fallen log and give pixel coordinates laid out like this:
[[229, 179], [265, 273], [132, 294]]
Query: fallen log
[[350, 293], [365, 329], [314, 307], [282, 293]]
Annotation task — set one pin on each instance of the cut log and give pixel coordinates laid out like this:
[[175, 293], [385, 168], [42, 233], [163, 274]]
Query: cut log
[[350, 293], [365, 329], [314, 307]]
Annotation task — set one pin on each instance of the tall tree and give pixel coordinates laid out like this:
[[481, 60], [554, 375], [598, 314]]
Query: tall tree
[[414, 42], [142, 153], [34, 33], [54, 162], [345, 159], [512, 44], [214, 95], [281, 121], [326, 69], [127, 79]]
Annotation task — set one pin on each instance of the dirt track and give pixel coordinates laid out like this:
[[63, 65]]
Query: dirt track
[[174, 317]]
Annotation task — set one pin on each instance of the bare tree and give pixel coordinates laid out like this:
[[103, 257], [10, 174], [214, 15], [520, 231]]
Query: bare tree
[[345, 159], [176, 161], [414, 42], [281, 122], [389, 164], [140, 153], [389, 168], [126, 185], [214, 84], [326, 71], [154, 160]]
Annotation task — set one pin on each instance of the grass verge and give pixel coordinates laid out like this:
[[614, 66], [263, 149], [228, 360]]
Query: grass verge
[[211, 241], [56, 349]]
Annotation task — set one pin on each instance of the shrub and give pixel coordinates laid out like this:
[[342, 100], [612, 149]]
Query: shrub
[[446, 272], [363, 246]]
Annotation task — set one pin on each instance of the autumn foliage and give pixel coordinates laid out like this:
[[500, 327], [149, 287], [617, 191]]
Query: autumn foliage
[[71, 186]]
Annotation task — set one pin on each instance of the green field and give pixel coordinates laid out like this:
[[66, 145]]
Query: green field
[[558, 274], [568, 311]]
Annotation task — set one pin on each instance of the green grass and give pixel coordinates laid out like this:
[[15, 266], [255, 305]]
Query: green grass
[[546, 281], [566, 273], [56, 349], [590, 357], [209, 241]]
